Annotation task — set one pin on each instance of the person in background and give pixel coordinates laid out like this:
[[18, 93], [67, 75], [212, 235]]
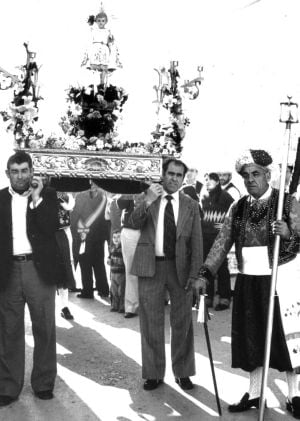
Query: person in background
[[29, 271], [90, 230], [227, 185], [252, 225], [117, 273], [129, 239], [214, 208], [113, 213], [66, 203], [191, 186], [168, 256]]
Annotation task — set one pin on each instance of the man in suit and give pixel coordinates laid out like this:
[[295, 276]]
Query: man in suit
[[90, 231], [167, 257], [28, 274]]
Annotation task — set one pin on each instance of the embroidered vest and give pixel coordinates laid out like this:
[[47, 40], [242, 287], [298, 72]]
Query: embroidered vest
[[288, 248]]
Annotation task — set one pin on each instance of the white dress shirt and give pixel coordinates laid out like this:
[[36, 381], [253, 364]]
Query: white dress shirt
[[19, 202], [159, 238]]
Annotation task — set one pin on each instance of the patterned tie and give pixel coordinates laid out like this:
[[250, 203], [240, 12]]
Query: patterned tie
[[169, 230]]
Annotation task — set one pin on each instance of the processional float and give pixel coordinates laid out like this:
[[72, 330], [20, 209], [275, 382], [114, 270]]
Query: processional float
[[91, 148]]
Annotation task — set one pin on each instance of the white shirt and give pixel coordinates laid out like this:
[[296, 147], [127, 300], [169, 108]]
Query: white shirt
[[233, 191], [266, 195], [21, 244], [159, 238]]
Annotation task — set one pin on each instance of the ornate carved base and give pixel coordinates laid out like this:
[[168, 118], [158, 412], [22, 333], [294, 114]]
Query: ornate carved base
[[117, 172]]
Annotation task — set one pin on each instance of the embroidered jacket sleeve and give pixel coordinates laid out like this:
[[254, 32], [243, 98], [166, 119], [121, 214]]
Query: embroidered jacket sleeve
[[294, 218], [221, 245]]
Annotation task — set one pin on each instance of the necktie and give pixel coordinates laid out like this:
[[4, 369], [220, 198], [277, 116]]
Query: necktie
[[169, 229]]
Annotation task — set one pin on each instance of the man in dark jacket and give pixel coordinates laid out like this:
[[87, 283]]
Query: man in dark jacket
[[90, 230], [214, 208], [28, 273]]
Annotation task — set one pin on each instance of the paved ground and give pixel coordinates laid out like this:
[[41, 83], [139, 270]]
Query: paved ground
[[99, 374]]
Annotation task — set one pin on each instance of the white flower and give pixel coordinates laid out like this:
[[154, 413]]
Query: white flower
[[91, 147], [99, 144]]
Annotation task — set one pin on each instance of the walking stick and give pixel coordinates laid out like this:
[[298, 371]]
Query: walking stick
[[203, 316], [288, 118]]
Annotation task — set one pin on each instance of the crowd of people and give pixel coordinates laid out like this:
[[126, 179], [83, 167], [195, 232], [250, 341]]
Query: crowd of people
[[165, 246]]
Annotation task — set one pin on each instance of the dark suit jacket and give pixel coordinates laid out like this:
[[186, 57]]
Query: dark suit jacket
[[189, 250], [42, 223], [99, 231]]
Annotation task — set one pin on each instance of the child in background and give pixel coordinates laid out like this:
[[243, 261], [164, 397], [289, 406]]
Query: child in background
[[117, 273]]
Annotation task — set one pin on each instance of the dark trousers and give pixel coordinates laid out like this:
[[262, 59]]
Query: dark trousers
[[152, 292], [92, 261], [68, 280], [224, 283], [25, 286], [117, 291]]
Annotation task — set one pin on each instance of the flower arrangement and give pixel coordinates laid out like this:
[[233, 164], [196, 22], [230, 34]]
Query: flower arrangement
[[22, 114], [90, 120], [170, 128], [90, 124]]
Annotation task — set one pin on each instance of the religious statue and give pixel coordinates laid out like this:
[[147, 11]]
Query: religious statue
[[101, 54]]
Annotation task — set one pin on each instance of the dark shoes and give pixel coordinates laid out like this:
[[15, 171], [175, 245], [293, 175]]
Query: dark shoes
[[151, 384], [66, 314], [129, 315], [103, 295], [208, 302], [220, 307], [6, 400], [83, 295], [44, 394], [294, 407], [184, 382], [244, 404]]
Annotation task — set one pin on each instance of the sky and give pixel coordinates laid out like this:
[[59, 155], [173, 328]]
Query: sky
[[248, 50]]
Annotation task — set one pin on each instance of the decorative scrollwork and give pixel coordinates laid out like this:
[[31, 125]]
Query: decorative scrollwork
[[94, 165]]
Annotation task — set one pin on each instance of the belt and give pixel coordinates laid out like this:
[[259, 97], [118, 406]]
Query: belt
[[22, 257], [163, 258]]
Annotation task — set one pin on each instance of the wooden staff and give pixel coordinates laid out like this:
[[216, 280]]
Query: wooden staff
[[203, 316], [288, 119]]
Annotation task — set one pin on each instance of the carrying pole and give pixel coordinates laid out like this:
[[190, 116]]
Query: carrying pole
[[288, 119]]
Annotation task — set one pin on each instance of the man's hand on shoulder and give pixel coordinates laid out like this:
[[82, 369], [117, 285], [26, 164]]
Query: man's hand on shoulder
[[36, 188], [154, 191]]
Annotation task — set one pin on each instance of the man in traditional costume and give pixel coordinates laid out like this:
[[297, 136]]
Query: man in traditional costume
[[251, 224]]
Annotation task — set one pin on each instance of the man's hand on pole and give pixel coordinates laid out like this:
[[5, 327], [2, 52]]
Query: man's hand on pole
[[281, 228]]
